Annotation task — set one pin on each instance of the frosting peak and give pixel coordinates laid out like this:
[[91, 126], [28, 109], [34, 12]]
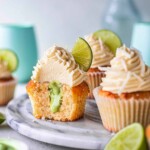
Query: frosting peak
[[58, 64], [4, 72], [101, 53], [127, 73]]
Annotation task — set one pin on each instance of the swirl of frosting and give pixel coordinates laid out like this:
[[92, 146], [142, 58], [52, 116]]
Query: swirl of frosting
[[101, 53], [4, 72], [128, 73], [58, 64]]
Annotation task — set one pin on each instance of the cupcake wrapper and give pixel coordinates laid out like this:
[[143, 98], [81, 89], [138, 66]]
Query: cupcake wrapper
[[94, 80], [7, 91], [72, 104], [117, 114]]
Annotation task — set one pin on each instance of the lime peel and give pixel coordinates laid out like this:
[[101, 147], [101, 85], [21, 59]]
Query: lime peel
[[82, 54], [131, 137], [2, 118], [14, 144], [10, 57], [110, 38]]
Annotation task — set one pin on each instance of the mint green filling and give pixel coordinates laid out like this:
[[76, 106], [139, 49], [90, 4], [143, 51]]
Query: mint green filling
[[55, 96], [5, 147]]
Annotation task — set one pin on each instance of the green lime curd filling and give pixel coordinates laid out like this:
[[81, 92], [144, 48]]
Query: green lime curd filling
[[5, 147], [55, 96]]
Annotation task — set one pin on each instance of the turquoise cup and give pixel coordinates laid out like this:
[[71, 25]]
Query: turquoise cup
[[141, 40], [21, 40]]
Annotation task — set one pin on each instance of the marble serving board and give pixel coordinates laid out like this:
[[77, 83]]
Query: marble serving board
[[85, 133]]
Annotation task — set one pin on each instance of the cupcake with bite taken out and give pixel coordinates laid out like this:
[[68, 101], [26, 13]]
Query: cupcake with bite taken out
[[58, 87], [124, 94], [103, 44]]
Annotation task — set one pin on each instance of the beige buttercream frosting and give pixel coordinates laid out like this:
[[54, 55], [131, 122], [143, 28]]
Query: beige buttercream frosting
[[101, 53], [58, 64], [128, 73], [4, 72]]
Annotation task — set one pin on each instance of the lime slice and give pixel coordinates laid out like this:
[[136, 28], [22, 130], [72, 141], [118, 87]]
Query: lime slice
[[5, 147], [82, 54], [2, 118], [10, 57], [11, 144], [109, 38], [129, 138]]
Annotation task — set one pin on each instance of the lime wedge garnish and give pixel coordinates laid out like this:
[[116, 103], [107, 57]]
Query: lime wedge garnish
[[129, 138], [10, 57], [2, 118], [109, 38], [82, 54]]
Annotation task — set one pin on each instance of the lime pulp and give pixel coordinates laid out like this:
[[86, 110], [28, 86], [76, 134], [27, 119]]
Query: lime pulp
[[130, 138], [82, 54], [111, 39], [10, 58]]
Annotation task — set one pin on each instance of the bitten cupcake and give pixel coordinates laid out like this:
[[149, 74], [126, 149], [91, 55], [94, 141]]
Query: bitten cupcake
[[58, 88], [124, 95], [101, 57], [7, 83]]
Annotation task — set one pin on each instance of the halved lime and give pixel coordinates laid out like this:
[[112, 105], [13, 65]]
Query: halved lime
[[83, 54], [109, 38], [129, 138], [10, 57], [2, 118]]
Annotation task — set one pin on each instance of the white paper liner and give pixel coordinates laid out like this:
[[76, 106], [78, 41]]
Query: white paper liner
[[7, 89], [94, 80], [117, 114]]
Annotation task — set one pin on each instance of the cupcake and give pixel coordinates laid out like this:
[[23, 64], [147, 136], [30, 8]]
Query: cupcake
[[101, 57], [7, 83], [124, 94], [58, 87]]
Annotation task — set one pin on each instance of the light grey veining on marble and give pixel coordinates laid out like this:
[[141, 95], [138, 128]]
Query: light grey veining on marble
[[86, 133]]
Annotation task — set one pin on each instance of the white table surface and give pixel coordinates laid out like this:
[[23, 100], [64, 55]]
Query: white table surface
[[7, 132]]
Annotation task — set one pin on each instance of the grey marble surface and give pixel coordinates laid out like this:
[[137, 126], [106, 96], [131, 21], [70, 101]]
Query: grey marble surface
[[7, 132], [86, 132]]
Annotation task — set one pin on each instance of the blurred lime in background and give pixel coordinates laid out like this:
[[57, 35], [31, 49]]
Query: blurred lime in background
[[20, 38]]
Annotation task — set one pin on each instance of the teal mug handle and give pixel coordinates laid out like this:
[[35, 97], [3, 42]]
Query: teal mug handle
[[141, 40], [21, 39]]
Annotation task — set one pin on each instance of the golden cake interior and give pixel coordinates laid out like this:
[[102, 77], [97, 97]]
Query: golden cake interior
[[72, 104]]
